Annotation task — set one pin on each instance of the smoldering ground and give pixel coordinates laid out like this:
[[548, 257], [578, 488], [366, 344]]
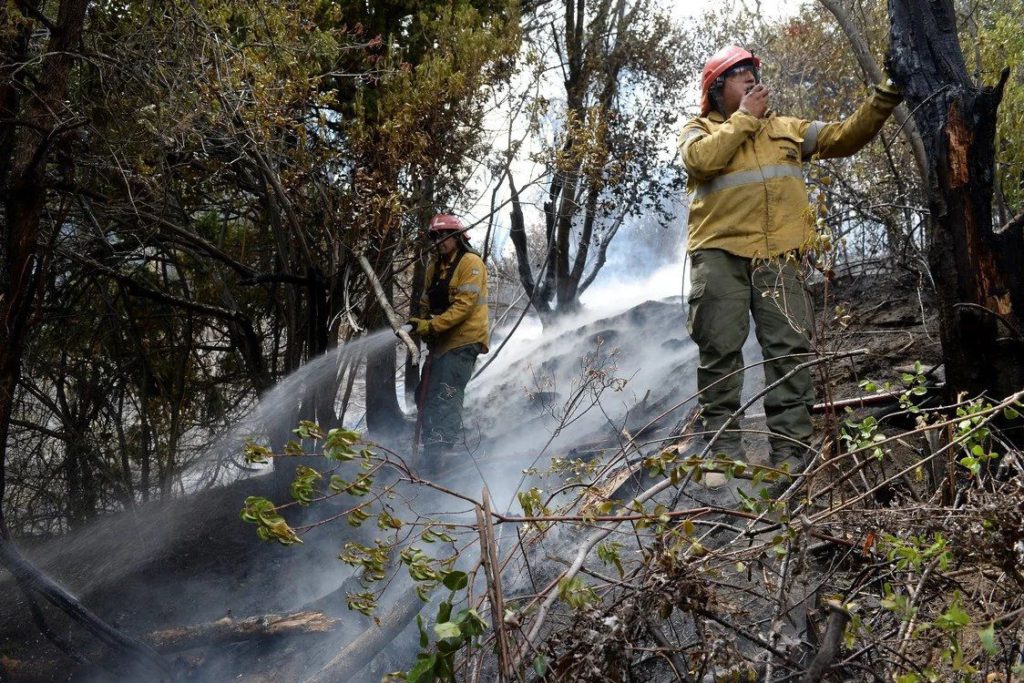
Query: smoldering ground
[[577, 393]]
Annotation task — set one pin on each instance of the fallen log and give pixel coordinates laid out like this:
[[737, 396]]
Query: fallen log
[[357, 654], [228, 630]]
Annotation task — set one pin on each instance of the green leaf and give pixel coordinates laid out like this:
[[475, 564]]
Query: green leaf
[[971, 463], [424, 639], [908, 678], [422, 667], [987, 636], [444, 612], [447, 629], [456, 580], [471, 623], [1010, 413], [540, 664], [953, 618], [255, 453]]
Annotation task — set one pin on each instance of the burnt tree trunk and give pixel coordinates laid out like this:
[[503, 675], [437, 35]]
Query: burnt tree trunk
[[976, 265]]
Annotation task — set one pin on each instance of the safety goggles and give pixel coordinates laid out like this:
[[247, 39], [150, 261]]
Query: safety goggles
[[743, 69]]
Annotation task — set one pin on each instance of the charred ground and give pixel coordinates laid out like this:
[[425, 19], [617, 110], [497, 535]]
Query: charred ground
[[192, 561]]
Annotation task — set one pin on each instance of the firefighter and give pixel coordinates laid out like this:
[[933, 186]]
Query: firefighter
[[750, 224], [454, 323]]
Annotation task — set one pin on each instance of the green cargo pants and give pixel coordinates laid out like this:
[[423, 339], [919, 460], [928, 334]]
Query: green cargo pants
[[443, 395], [724, 289]]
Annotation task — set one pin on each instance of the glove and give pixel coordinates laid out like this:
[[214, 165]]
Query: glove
[[421, 327], [889, 90]]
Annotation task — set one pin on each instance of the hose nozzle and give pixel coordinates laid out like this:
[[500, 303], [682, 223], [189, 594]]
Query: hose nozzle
[[407, 328]]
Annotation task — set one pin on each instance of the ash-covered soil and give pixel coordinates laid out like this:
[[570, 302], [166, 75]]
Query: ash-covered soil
[[192, 560]]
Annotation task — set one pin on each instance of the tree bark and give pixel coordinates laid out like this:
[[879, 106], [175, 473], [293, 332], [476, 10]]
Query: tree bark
[[228, 630], [517, 233], [26, 152], [383, 414], [977, 269]]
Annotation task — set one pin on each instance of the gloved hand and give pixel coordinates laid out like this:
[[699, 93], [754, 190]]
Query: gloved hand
[[421, 327], [889, 90]]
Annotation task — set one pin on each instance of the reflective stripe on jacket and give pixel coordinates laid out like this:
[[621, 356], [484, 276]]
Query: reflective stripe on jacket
[[745, 175], [466, 320]]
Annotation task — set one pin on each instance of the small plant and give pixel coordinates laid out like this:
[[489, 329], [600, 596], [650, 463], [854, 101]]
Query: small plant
[[452, 633], [864, 436]]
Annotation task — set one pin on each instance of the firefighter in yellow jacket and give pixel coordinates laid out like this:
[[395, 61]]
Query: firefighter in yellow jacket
[[749, 222], [455, 326]]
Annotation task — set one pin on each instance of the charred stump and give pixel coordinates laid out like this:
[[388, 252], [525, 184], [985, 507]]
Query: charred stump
[[976, 265]]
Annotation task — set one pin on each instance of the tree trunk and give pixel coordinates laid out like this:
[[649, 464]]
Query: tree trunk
[[23, 185], [976, 267]]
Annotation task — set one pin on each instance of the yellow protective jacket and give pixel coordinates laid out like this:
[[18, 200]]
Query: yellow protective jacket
[[745, 175], [466, 320]]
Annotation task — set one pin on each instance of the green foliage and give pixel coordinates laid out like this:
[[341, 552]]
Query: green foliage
[[897, 603], [533, 506], [303, 486], [452, 633], [609, 554], [864, 437], [998, 44], [913, 552], [973, 434], [576, 593], [270, 525], [371, 560], [256, 454]]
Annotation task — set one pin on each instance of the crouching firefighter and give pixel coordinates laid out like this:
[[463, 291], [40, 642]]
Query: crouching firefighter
[[454, 323], [750, 225]]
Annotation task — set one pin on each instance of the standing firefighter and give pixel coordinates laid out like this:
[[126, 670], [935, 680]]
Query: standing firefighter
[[749, 224], [456, 331]]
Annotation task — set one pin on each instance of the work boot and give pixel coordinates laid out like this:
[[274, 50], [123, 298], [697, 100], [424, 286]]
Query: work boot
[[790, 457], [726, 446]]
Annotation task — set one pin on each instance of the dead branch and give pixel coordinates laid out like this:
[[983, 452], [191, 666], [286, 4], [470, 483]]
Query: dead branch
[[393, 319], [867, 63], [677, 663], [838, 618], [492, 570], [228, 630]]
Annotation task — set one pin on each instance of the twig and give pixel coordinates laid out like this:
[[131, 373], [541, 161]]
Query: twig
[[780, 606], [492, 571], [838, 618], [393, 319], [670, 652]]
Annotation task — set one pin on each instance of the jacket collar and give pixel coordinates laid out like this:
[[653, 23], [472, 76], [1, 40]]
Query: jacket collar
[[716, 117]]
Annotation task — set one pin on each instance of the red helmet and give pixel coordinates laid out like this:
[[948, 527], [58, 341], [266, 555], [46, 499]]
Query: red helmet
[[444, 222], [720, 62]]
